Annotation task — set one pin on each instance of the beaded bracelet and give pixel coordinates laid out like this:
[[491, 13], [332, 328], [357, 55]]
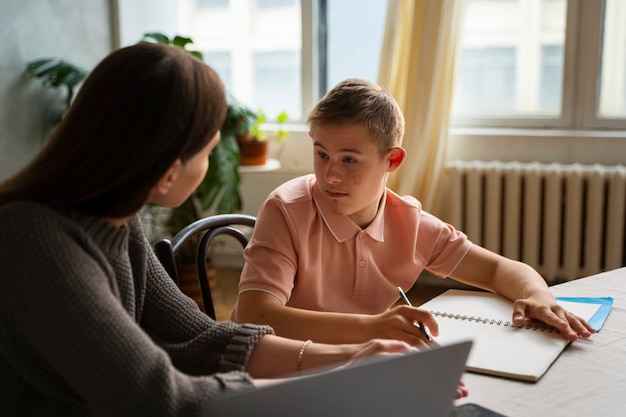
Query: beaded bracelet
[[301, 354]]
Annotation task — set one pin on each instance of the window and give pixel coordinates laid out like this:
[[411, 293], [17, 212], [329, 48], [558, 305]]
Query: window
[[353, 33], [542, 63], [557, 64], [284, 54], [255, 46], [613, 73]]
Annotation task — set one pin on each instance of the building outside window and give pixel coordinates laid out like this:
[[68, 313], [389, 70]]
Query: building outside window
[[542, 63]]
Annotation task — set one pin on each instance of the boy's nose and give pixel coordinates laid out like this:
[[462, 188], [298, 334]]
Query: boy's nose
[[332, 174]]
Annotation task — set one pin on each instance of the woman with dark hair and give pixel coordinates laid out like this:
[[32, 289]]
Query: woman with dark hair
[[90, 322]]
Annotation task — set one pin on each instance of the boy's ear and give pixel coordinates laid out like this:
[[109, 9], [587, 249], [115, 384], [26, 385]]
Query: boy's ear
[[396, 156]]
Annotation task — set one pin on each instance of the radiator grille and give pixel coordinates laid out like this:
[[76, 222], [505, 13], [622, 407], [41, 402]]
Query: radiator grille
[[567, 221]]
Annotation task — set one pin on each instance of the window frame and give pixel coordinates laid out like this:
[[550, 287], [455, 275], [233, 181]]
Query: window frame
[[581, 60], [580, 93], [310, 55]]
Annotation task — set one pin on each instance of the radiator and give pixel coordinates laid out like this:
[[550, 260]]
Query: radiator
[[567, 221]]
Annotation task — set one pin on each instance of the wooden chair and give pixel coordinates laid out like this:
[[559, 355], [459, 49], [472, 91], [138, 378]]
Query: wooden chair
[[208, 228]]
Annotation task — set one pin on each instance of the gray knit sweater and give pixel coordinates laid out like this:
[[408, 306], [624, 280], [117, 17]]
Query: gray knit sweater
[[91, 324]]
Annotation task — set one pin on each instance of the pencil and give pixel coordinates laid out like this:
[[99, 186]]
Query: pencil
[[419, 323]]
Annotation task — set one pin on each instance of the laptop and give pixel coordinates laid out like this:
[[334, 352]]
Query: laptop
[[422, 383]]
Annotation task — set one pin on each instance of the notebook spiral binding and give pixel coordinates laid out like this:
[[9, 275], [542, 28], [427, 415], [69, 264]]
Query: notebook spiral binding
[[505, 323]]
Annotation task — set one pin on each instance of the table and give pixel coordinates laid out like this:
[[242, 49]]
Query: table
[[588, 378]]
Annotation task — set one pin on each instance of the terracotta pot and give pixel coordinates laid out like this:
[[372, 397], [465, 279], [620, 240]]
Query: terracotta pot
[[253, 152]]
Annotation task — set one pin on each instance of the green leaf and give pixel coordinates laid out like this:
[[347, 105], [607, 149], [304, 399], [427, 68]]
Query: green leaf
[[282, 117], [181, 41], [157, 37]]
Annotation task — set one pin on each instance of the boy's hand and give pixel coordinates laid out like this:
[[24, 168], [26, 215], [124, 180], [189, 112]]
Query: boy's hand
[[544, 307], [400, 323]]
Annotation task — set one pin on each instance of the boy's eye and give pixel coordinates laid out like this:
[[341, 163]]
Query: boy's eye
[[322, 155], [349, 159]]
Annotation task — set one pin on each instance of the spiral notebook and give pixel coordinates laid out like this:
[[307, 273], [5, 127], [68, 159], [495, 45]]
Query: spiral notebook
[[500, 348]]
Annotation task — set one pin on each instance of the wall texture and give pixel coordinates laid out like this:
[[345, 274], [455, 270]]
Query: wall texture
[[78, 31]]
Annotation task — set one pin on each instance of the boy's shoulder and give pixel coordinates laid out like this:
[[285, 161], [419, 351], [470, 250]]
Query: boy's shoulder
[[395, 200], [295, 190]]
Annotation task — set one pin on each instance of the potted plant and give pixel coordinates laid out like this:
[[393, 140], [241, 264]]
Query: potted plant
[[254, 143], [58, 73]]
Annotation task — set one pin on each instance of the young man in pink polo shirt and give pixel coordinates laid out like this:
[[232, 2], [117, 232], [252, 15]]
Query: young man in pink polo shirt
[[329, 250]]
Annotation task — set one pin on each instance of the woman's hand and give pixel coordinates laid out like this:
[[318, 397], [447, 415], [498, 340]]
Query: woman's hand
[[379, 347]]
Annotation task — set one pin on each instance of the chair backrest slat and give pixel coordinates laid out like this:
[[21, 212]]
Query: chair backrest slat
[[209, 228]]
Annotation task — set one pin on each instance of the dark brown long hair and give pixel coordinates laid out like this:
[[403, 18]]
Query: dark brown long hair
[[139, 110]]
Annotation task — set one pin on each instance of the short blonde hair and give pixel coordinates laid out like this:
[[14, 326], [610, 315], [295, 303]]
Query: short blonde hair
[[356, 100]]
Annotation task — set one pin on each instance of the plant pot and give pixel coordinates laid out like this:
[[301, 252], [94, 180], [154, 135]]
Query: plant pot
[[253, 152]]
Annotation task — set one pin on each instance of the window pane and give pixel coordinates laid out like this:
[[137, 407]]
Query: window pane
[[613, 67], [355, 30], [272, 69], [488, 80], [511, 61], [255, 46]]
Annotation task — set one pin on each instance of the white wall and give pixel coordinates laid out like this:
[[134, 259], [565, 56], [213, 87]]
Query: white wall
[[296, 158], [146, 16], [77, 31], [608, 148]]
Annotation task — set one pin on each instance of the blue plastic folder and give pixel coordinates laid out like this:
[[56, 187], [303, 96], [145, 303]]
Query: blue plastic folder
[[598, 319]]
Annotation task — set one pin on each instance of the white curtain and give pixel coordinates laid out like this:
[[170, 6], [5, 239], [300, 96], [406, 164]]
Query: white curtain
[[417, 66]]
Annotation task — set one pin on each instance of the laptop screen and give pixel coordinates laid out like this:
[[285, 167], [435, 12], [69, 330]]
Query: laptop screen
[[419, 383]]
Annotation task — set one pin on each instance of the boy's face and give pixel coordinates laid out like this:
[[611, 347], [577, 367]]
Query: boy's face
[[350, 170]]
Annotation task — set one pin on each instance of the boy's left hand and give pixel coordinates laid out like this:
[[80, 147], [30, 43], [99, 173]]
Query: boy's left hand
[[546, 309]]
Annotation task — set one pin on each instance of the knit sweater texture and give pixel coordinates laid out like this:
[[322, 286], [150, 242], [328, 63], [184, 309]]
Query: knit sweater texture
[[92, 325]]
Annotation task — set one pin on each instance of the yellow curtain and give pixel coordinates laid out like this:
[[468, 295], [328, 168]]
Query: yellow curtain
[[417, 66]]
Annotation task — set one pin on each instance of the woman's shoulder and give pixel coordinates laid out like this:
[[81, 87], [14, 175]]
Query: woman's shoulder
[[25, 211], [42, 221]]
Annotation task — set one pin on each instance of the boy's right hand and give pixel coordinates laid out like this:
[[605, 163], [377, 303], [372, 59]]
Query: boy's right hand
[[400, 323]]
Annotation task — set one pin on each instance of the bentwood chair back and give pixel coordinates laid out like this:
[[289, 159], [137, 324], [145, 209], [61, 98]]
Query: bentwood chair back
[[208, 228]]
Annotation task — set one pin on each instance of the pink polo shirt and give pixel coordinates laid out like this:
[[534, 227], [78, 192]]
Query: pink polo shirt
[[308, 257]]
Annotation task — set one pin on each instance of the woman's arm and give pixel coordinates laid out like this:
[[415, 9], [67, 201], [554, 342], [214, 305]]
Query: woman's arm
[[276, 356]]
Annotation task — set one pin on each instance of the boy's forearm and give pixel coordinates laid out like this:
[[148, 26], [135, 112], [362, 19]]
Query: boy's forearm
[[493, 272], [324, 327], [517, 280], [302, 324]]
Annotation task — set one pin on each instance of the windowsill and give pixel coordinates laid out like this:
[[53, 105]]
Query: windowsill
[[536, 133], [540, 145], [270, 165]]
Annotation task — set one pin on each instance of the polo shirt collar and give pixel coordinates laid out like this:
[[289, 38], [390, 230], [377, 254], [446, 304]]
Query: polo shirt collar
[[341, 226]]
